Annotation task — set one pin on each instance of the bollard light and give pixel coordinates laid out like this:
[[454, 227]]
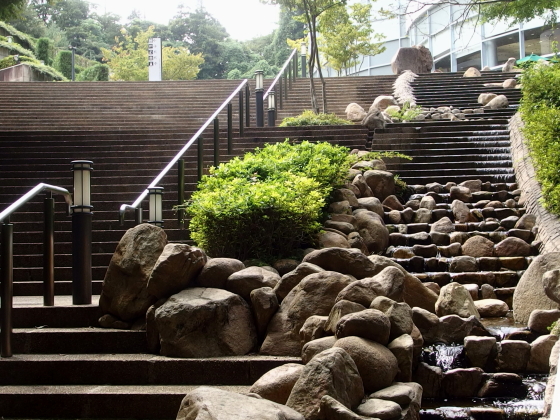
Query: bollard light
[[259, 88], [303, 49], [271, 109], [155, 197], [10, 39], [82, 186], [81, 233]]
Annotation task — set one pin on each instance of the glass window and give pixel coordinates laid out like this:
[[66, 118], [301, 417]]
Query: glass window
[[541, 40], [469, 60], [443, 64], [507, 46]]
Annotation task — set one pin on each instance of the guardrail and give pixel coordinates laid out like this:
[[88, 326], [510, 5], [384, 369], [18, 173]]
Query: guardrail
[[243, 106], [7, 251], [277, 92]]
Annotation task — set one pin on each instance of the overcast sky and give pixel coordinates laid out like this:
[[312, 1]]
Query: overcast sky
[[243, 19]]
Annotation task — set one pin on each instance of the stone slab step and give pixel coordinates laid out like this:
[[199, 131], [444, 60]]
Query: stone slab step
[[134, 369], [160, 402]]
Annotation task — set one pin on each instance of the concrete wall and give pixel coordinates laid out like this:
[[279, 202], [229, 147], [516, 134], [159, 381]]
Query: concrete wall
[[22, 73]]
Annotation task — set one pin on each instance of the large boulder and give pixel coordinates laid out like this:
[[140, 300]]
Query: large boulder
[[455, 299], [332, 372], [216, 272], [206, 403], [373, 231], [389, 283], [276, 384], [125, 292], [417, 59], [373, 120], [383, 102], [377, 365], [314, 295], [245, 281], [175, 269], [292, 278], [529, 293], [500, 101], [370, 323], [355, 112], [203, 322], [342, 260], [382, 183]]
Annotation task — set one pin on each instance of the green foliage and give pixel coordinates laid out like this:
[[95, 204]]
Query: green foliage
[[43, 50], [346, 34], [96, 73], [268, 203], [540, 110], [402, 190], [406, 113], [15, 48], [63, 63], [519, 10], [23, 39], [310, 118], [35, 64], [234, 74]]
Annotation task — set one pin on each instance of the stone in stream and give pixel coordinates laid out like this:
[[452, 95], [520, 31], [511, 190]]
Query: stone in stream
[[477, 247], [541, 319], [462, 383], [429, 377], [513, 355], [455, 299], [541, 349], [491, 308], [480, 351]]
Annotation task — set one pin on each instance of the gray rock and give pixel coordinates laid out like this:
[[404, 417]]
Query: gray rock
[[389, 283], [125, 293], [443, 225], [403, 349], [292, 279], [332, 372], [429, 378], [478, 246], [484, 98], [454, 299], [541, 319], [265, 304], [480, 350], [313, 328], [371, 324], [462, 383], [460, 193], [512, 247], [203, 322], [463, 264], [461, 212], [381, 409], [551, 284], [212, 403], [498, 102], [216, 271], [245, 281], [529, 293], [340, 309], [355, 112], [491, 308], [417, 59], [331, 409], [373, 231], [276, 384], [513, 355], [382, 183], [345, 261], [372, 204], [376, 364], [314, 295], [541, 349], [313, 348], [399, 314]]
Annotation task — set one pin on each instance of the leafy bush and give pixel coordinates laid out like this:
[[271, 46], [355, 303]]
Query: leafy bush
[[268, 203], [540, 109], [23, 39], [16, 49], [310, 118], [43, 50], [63, 63], [96, 73], [406, 113]]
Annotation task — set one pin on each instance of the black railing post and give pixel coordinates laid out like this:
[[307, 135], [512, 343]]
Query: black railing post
[[259, 97], [296, 66], [181, 191], [229, 127], [7, 278], [285, 86], [200, 157], [247, 106], [48, 252], [279, 95], [240, 116], [216, 142], [289, 69]]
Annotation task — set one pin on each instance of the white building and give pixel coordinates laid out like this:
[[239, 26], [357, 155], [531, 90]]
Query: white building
[[456, 41]]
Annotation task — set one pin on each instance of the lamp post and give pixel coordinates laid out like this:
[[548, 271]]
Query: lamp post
[[259, 93], [81, 233], [271, 109], [155, 197], [303, 50], [73, 49]]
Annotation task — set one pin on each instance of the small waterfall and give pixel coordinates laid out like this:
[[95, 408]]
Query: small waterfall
[[444, 356]]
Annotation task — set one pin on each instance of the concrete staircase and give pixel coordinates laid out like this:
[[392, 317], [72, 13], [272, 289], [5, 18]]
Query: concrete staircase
[[455, 151], [65, 367]]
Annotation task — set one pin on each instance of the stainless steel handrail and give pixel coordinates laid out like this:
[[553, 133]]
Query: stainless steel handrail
[[280, 73], [32, 193], [124, 207]]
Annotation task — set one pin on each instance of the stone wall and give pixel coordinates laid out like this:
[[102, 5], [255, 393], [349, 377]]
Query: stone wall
[[549, 224], [22, 73]]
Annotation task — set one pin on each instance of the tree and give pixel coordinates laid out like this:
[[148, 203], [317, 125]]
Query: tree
[[311, 10], [128, 59], [43, 50], [344, 37], [12, 9], [63, 63]]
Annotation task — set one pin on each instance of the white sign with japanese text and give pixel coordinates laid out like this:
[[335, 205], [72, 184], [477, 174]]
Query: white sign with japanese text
[[154, 59]]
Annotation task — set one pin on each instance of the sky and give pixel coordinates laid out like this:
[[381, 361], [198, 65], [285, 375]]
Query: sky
[[243, 19]]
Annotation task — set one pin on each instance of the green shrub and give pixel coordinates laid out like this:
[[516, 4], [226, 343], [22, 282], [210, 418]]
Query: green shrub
[[16, 49], [540, 110], [310, 118], [63, 63], [43, 50], [19, 37], [268, 203], [406, 113], [96, 73]]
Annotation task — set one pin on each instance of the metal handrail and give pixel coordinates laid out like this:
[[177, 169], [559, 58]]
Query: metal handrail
[[124, 207], [280, 73], [32, 193]]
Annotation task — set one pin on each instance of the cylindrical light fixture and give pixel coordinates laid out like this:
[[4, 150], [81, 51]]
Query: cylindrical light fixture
[[82, 186], [303, 50], [81, 233], [271, 109], [259, 93], [155, 197]]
